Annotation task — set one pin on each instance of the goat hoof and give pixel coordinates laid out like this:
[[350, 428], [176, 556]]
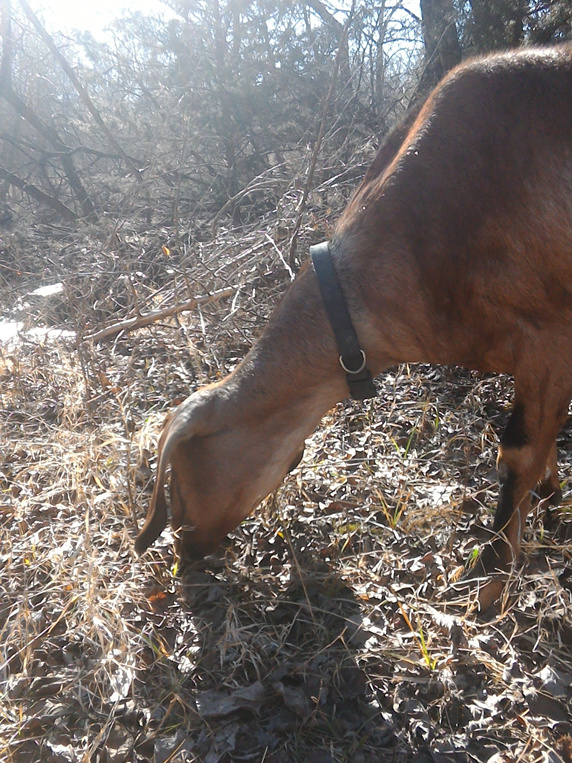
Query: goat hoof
[[488, 591], [484, 582], [480, 588]]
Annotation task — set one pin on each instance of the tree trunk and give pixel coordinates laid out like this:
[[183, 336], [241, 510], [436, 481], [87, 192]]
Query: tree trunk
[[496, 25], [442, 47]]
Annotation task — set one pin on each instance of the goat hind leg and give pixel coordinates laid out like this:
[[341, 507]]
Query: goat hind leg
[[527, 446]]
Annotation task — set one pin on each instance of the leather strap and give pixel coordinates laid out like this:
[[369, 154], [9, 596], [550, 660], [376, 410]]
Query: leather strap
[[352, 357]]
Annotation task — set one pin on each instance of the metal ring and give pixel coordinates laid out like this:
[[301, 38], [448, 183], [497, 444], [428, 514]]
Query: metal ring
[[357, 371]]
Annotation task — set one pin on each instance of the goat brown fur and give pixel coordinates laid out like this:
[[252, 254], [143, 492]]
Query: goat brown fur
[[455, 249]]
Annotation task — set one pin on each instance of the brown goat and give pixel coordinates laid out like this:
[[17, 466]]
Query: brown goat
[[456, 249]]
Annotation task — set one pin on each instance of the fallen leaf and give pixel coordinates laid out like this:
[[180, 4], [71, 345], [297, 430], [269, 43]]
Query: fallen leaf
[[217, 704], [545, 706], [294, 698]]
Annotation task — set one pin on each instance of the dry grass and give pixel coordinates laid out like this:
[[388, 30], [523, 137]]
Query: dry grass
[[328, 630]]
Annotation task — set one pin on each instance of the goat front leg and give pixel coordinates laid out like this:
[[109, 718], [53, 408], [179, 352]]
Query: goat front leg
[[527, 447]]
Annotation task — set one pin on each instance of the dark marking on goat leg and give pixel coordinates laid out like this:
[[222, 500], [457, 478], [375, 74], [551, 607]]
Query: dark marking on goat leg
[[505, 508], [498, 555], [515, 434], [549, 489]]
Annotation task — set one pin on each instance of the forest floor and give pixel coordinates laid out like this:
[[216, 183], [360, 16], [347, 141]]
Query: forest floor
[[327, 629]]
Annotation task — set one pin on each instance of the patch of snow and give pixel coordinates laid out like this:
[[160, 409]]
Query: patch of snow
[[9, 330], [12, 331], [48, 291]]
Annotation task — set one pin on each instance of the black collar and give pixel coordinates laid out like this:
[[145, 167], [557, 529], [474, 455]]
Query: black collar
[[351, 355]]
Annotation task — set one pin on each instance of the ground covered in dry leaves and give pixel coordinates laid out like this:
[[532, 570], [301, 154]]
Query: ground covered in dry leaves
[[328, 630]]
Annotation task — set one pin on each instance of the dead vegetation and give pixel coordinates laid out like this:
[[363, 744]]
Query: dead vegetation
[[328, 630]]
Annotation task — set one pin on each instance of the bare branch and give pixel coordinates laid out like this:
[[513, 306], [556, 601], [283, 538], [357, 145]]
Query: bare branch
[[39, 195], [145, 320]]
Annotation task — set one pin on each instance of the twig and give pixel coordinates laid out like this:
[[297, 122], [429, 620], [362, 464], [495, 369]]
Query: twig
[[144, 320]]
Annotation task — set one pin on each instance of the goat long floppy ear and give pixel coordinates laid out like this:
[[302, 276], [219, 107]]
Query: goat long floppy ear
[[184, 422]]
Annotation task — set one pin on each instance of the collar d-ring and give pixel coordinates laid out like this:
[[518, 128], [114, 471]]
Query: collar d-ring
[[351, 370]]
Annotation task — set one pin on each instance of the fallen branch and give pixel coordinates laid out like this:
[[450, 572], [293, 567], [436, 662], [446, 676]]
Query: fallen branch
[[144, 320], [38, 194]]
